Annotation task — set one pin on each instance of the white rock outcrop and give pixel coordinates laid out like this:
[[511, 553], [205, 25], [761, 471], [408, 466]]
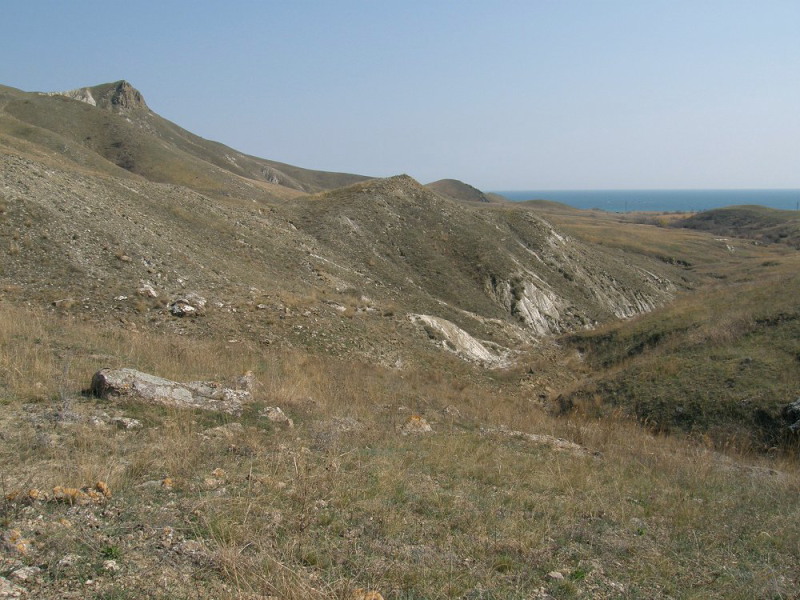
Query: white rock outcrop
[[135, 385], [462, 343]]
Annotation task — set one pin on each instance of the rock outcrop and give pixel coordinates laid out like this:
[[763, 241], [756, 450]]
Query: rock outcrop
[[191, 304], [791, 414], [118, 96], [276, 415], [135, 385], [416, 425], [456, 340]]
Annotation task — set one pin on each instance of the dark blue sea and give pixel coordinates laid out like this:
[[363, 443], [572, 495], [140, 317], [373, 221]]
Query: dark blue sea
[[661, 200]]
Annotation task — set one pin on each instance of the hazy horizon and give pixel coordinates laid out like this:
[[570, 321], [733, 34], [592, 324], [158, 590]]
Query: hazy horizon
[[742, 189], [509, 95]]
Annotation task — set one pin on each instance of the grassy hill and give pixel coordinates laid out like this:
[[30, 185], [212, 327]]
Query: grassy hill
[[766, 225], [123, 131], [721, 363], [604, 395], [458, 190]]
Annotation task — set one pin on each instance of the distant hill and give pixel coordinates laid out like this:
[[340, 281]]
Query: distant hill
[[463, 192], [767, 225]]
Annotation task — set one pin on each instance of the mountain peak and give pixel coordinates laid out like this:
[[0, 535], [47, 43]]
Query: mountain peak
[[119, 96]]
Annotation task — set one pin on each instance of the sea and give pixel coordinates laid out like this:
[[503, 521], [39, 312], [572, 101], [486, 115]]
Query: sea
[[661, 200]]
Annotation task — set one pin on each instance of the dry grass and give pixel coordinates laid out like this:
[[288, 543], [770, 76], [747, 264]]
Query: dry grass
[[720, 361], [345, 501]]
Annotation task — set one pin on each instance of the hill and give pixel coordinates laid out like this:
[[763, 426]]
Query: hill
[[382, 270], [458, 190], [110, 127], [761, 223], [174, 211], [437, 397]]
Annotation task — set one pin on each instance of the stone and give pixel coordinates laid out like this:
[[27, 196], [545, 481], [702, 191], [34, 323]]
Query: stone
[[126, 423], [130, 384], [68, 560], [452, 411], [147, 290], [539, 439], [111, 566], [362, 594], [10, 590], [555, 575], [416, 425], [210, 483], [12, 541], [276, 415], [791, 414], [25, 573], [454, 339], [180, 309], [192, 304], [246, 382]]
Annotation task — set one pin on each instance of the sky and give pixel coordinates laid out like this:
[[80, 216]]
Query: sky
[[504, 95]]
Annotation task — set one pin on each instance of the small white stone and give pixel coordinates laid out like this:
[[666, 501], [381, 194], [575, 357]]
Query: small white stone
[[126, 423], [148, 291], [416, 425], [9, 590], [276, 415], [68, 560], [111, 566], [25, 573]]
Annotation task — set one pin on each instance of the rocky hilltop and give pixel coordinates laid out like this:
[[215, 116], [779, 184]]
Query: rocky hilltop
[[118, 96], [108, 128]]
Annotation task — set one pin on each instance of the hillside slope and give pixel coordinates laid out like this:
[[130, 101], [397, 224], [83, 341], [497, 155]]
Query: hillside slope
[[474, 264], [504, 275], [458, 190], [394, 352], [767, 225], [382, 270], [112, 122]]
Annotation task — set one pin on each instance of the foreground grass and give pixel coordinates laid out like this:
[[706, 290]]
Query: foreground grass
[[343, 500]]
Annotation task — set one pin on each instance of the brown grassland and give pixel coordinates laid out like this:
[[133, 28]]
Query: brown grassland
[[636, 458], [343, 501]]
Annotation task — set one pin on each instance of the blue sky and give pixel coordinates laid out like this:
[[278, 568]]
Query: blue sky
[[559, 94]]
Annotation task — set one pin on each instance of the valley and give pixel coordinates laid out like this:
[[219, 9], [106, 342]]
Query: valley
[[488, 399]]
